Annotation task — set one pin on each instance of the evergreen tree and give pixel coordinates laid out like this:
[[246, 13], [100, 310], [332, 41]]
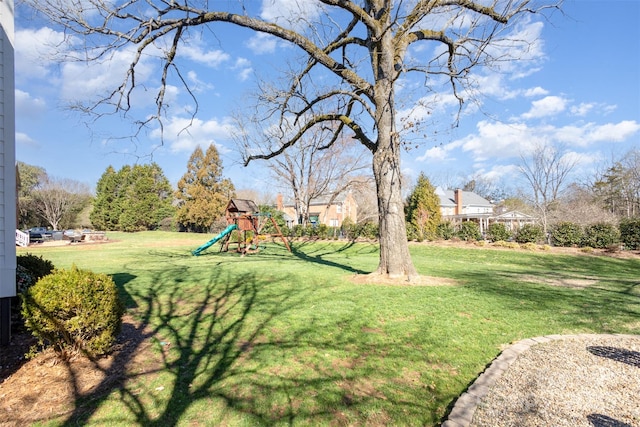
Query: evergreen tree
[[106, 210], [423, 209], [133, 199], [147, 199], [202, 192]]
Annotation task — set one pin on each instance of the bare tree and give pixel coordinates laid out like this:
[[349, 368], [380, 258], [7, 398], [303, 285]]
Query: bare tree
[[358, 49], [55, 198], [312, 172], [546, 170]]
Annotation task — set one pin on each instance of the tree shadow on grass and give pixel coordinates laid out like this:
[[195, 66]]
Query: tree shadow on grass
[[200, 340], [320, 257]]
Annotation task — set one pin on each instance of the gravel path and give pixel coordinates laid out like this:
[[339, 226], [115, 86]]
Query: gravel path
[[576, 381], [573, 381]]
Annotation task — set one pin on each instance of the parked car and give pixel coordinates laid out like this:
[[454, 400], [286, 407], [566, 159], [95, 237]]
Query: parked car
[[73, 235], [39, 234]]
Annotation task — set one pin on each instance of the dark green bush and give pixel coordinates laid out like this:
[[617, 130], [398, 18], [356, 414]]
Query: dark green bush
[[630, 233], [367, 230], [601, 235], [567, 234], [74, 310], [498, 231], [530, 233], [469, 230], [446, 230], [36, 265]]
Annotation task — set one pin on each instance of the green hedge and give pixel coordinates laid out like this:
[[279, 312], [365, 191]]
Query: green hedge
[[630, 233]]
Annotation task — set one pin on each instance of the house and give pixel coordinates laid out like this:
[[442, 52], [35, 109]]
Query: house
[[322, 211], [459, 205], [8, 218]]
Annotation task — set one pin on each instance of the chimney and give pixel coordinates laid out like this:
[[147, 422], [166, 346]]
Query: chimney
[[458, 200], [279, 204]]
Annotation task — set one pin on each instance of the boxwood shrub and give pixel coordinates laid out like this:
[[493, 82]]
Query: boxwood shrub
[[567, 234], [600, 235], [74, 310], [530, 233], [498, 231], [630, 233], [469, 230]]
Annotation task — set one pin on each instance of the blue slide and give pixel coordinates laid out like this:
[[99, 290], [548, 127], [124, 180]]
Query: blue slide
[[224, 232]]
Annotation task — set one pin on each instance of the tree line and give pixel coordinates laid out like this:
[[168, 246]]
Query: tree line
[[133, 198]]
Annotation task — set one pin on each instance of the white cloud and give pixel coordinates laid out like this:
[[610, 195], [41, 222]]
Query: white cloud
[[294, 14], [435, 154], [35, 50], [613, 132], [536, 91], [84, 81], [195, 51], [27, 106], [262, 43], [498, 172], [547, 106], [25, 140], [185, 134], [582, 109], [243, 66], [500, 140]]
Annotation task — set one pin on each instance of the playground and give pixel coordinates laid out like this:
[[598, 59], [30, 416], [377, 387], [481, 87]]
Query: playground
[[245, 223]]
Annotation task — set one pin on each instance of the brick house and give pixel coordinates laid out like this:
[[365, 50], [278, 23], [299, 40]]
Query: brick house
[[322, 211]]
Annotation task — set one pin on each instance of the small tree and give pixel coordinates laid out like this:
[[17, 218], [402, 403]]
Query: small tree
[[423, 209], [202, 193], [57, 198]]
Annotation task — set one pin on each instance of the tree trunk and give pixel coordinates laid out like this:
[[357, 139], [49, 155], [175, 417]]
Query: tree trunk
[[395, 260]]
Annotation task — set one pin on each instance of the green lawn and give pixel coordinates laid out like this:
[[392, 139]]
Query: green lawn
[[286, 339]]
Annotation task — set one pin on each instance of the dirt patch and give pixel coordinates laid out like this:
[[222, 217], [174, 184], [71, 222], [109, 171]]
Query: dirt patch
[[378, 279], [560, 281], [46, 387]]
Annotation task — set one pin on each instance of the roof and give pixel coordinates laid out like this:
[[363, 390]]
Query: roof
[[322, 201], [242, 205], [469, 198], [514, 215]]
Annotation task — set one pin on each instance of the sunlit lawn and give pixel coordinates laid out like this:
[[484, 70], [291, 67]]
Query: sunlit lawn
[[277, 338]]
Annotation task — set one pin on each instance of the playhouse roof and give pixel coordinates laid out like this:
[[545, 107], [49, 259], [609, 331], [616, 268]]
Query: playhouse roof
[[242, 205]]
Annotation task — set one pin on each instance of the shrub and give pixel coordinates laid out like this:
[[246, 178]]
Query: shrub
[[446, 230], [498, 231], [74, 310], [630, 233], [530, 233], [469, 231], [24, 279], [530, 246], [600, 235], [567, 234], [37, 266]]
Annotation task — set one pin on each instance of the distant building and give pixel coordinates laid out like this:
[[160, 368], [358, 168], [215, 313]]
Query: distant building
[[458, 206], [322, 211]]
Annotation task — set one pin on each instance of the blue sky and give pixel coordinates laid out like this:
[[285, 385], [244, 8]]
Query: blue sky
[[579, 89]]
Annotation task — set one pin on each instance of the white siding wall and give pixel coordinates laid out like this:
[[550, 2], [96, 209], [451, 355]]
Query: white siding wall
[[7, 153]]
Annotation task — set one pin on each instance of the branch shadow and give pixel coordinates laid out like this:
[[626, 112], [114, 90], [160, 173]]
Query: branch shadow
[[319, 258], [599, 420], [622, 355]]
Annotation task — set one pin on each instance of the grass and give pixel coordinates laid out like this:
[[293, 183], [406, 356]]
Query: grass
[[286, 339]]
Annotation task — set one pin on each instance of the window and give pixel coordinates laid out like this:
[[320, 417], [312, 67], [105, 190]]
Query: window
[[338, 208], [333, 223]]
